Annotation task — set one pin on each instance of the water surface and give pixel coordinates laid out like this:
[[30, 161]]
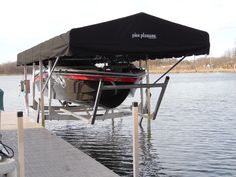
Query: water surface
[[194, 134]]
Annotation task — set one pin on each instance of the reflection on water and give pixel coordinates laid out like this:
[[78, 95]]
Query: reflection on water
[[194, 134], [149, 155], [110, 142]]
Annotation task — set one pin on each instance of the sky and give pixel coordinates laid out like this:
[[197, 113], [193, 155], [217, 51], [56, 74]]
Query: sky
[[26, 23]]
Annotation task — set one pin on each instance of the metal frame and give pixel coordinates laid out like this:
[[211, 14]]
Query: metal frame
[[26, 91], [50, 89], [41, 106], [35, 104], [148, 93], [85, 113], [50, 73], [119, 87], [41, 99], [94, 112], [98, 96]]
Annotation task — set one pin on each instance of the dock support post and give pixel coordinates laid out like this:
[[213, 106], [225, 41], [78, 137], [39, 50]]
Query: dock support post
[[41, 100], [0, 122], [95, 107], [21, 144], [135, 141], [33, 86], [163, 89], [141, 94], [1, 106], [26, 89], [49, 90], [50, 73], [148, 94]]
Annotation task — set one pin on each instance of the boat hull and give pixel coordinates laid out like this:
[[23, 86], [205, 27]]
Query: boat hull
[[82, 87]]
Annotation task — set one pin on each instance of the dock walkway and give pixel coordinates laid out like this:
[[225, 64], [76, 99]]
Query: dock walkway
[[47, 155]]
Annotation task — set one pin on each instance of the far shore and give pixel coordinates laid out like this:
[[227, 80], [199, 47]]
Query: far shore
[[10, 74], [159, 71]]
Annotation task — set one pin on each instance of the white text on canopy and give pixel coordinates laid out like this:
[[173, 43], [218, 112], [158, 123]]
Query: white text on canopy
[[143, 36]]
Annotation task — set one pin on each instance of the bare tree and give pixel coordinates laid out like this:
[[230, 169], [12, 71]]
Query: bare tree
[[10, 68]]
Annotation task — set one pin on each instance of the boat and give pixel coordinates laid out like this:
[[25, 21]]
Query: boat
[[79, 84]]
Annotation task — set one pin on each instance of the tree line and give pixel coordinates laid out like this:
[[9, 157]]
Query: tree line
[[225, 63], [203, 64], [10, 68]]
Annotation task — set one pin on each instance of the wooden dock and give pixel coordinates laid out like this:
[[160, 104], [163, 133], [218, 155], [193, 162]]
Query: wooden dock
[[47, 155]]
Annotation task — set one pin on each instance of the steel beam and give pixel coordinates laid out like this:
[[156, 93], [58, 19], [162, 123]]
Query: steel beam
[[50, 74], [98, 96], [41, 100], [26, 91], [160, 98]]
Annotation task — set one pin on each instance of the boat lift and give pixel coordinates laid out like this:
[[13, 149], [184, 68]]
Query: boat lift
[[84, 111], [143, 36]]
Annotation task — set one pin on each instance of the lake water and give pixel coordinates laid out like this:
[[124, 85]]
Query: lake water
[[194, 134]]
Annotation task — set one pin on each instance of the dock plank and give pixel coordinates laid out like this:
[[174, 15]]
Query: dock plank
[[47, 155]]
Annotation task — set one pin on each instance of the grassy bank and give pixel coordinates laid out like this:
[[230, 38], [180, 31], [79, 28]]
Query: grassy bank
[[203, 65], [161, 70]]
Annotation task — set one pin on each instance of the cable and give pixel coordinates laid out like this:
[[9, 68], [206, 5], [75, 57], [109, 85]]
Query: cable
[[169, 69], [8, 150]]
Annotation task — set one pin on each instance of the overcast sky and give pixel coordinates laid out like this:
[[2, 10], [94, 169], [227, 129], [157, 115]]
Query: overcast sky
[[25, 23]]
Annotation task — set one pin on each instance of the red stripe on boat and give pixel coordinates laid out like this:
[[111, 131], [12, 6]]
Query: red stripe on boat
[[104, 78], [38, 78]]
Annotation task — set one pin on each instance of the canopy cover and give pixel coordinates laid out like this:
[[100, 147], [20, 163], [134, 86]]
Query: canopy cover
[[138, 36]]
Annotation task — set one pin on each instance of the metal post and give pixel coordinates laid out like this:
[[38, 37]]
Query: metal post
[[135, 141], [0, 122], [1, 106], [141, 94], [41, 100], [99, 92], [38, 111], [163, 89], [119, 87], [141, 90], [49, 90], [33, 86], [148, 101], [21, 144], [172, 67], [26, 91], [50, 74]]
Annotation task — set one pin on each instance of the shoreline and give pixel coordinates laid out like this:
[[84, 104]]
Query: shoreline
[[161, 70], [10, 74], [177, 71]]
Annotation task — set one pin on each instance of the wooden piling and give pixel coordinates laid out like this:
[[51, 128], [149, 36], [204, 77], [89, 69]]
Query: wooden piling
[[135, 141], [21, 153]]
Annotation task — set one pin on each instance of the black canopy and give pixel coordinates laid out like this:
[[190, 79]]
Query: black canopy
[[136, 37]]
